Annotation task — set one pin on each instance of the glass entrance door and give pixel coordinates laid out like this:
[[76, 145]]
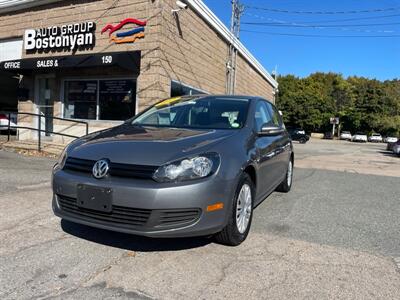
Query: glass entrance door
[[45, 103]]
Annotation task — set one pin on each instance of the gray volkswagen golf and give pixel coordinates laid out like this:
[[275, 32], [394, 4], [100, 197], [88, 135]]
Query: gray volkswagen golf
[[187, 166]]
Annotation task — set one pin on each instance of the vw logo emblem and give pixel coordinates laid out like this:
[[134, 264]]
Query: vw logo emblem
[[100, 168]]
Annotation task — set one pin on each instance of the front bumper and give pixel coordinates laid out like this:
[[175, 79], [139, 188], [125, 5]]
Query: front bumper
[[145, 207]]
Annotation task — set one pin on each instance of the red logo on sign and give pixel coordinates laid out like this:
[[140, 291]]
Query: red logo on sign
[[129, 36]]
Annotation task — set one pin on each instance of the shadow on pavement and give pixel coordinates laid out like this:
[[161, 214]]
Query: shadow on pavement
[[131, 242], [387, 153]]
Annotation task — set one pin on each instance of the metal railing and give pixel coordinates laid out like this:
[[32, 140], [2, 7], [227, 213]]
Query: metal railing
[[39, 129]]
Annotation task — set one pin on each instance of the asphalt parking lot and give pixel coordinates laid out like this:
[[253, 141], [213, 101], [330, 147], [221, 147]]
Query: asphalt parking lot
[[335, 235]]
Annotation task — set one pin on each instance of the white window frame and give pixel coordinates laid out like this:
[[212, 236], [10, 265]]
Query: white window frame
[[97, 79]]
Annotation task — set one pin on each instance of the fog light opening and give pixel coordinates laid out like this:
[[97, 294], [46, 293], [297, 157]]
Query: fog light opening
[[216, 206]]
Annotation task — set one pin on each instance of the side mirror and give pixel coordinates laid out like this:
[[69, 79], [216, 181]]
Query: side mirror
[[267, 130]]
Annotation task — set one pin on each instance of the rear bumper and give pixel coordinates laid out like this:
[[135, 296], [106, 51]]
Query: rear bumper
[[148, 208]]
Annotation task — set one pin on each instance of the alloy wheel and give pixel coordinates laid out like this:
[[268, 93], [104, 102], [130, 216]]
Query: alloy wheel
[[243, 208], [290, 173]]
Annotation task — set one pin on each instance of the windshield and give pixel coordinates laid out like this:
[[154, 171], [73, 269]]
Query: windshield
[[196, 112]]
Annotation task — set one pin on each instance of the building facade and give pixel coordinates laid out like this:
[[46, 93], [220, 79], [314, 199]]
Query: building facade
[[103, 61]]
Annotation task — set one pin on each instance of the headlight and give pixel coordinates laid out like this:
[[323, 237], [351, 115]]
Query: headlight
[[189, 168]]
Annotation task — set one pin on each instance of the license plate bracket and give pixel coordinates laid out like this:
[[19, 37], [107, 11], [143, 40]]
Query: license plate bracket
[[95, 198]]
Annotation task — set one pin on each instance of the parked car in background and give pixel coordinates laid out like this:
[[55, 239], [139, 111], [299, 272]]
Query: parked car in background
[[396, 148], [389, 146], [390, 139], [360, 137], [298, 135], [4, 123], [375, 138], [328, 136], [346, 135], [171, 172]]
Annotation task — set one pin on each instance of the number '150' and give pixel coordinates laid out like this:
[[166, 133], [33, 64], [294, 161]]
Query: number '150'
[[107, 59]]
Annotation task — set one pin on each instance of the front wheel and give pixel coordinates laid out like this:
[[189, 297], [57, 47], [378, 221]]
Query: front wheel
[[303, 141], [286, 184], [241, 214]]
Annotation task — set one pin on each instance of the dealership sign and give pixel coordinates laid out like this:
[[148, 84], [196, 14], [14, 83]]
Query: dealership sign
[[130, 36], [70, 36]]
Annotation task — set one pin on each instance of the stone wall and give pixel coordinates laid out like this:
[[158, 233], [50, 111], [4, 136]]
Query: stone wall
[[195, 54]]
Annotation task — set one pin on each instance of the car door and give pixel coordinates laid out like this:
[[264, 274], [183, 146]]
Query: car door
[[282, 143], [266, 147]]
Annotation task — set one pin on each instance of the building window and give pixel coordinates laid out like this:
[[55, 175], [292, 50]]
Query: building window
[[116, 99], [80, 100], [108, 99], [180, 89]]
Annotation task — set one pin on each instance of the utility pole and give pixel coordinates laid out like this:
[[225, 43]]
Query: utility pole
[[237, 11]]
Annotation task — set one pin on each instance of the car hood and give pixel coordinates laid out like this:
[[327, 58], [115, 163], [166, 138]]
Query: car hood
[[146, 145]]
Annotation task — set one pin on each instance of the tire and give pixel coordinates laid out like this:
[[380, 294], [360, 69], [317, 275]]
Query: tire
[[302, 141], [286, 184], [236, 232]]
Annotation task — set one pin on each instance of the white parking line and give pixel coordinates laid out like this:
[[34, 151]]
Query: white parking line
[[34, 186]]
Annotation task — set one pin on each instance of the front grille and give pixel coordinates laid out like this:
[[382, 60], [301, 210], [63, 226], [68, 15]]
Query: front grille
[[133, 217], [116, 169], [121, 215]]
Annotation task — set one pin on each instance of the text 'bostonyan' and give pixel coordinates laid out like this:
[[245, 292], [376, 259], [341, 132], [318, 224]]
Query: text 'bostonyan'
[[67, 36]]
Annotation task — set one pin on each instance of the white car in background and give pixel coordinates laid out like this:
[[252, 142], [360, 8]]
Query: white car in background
[[360, 137], [390, 139], [4, 123], [346, 135], [375, 138]]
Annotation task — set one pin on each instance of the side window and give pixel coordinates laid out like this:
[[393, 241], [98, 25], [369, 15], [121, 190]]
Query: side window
[[276, 118], [164, 116], [262, 115]]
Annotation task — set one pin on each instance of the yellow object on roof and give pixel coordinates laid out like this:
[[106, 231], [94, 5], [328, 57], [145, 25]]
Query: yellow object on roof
[[168, 101]]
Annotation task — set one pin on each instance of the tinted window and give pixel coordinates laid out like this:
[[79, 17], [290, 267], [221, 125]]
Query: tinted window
[[179, 89], [100, 99], [117, 99], [80, 99], [197, 112]]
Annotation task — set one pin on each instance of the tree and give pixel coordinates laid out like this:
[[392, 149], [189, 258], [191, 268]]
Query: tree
[[362, 104]]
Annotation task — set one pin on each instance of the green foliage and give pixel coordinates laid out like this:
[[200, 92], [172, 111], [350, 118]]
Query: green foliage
[[362, 104]]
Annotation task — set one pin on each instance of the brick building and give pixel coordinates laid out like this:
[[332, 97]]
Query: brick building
[[103, 61]]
